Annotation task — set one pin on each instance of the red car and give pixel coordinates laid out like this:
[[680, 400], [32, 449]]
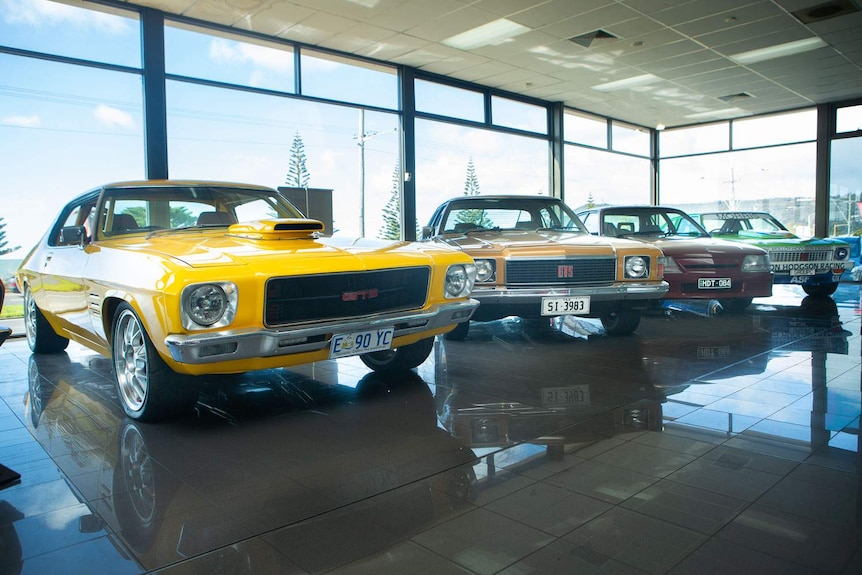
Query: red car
[[697, 266]]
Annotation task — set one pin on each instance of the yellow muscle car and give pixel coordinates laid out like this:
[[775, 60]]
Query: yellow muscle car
[[535, 259], [174, 278]]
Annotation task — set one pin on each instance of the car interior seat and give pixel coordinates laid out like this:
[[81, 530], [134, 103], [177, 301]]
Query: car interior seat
[[609, 229], [215, 219], [124, 222]]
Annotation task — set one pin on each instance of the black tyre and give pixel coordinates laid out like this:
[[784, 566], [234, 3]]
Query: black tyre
[[460, 332], [821, 290], [400, 359], [41, 337], [621, 322], [148, 389]]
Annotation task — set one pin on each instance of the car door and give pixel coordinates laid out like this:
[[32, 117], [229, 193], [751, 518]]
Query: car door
[[64, 287]]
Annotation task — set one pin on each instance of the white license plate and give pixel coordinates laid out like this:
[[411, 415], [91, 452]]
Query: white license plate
[[561, 396], [566, 305], [713, 283], [357, 342]]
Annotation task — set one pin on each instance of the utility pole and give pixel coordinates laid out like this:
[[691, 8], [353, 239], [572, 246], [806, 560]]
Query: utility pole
[[361, 137]]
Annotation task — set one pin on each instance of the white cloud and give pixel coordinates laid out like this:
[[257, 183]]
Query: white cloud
[[33, 121], [227, 52], [41, 13], [109, 116]]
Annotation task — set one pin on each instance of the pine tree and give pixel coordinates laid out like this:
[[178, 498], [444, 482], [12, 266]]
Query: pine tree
[[471, 188], [297, 173], [591, 202], [391, 229], [3, 249]]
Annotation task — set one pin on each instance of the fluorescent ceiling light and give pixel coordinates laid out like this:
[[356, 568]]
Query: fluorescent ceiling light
[[632, 82], [489, 33], [723, 113], [778, 51]]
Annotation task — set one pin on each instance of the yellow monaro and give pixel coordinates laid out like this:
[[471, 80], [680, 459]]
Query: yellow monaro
[[180, 278]]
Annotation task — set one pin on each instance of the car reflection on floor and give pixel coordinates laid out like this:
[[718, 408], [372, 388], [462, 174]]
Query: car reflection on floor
[[170, 492]]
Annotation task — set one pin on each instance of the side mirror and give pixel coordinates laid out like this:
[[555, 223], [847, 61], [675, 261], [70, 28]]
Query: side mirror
[[427, 232], [71, 236]]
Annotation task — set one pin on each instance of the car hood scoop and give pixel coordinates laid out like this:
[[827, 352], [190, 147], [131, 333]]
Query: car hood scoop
[[277, 229]]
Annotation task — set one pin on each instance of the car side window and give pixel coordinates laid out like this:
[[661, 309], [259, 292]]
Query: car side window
[[80, 215]]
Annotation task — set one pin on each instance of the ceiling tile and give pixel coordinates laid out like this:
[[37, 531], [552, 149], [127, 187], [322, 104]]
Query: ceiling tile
[[477, 73], [662, 52], [358, 37], [222, 13], [412, 13], [392, 47], [601, 18], [451, 24], [698, 9], [507, 7], [274, 18], [317, 28], [729, 18], [751, 30], [554, 11]]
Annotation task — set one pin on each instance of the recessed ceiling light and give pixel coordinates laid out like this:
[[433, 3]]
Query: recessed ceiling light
[[778, 51], [485, 34], [632, 82]]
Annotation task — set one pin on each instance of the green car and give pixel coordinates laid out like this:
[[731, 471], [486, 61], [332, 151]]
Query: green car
[[816, 263]]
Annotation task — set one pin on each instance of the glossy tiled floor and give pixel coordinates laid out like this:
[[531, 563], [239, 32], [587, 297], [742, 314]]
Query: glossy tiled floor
[[724, 444]]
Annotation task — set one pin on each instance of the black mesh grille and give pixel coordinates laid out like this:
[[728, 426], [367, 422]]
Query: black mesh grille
[[561, 272], [328, 296]]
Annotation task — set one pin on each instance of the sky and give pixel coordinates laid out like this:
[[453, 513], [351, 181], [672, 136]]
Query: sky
[[65, 129]]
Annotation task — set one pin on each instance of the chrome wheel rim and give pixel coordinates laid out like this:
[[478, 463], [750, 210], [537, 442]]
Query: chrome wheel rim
[[130, 361], [29, 318]]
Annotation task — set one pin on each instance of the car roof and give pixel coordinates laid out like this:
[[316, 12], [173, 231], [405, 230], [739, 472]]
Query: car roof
[[504, 197], [181, 183]]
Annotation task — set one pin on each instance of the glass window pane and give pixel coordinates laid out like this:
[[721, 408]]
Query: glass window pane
[[695, 140], [588, 130], [595, 177], [97, 33], [456, 160], [518, 115], [442, 100], [348, 80], [777, 129], [232, 59], [235, 135], [65, 129], [630, 139], [845, 188], [849, 119], [778, 180]]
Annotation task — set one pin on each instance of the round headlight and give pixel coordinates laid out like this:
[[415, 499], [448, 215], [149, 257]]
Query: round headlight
[[206, 304], [459, 280], [637, 267], [841, 253], [485, 270]]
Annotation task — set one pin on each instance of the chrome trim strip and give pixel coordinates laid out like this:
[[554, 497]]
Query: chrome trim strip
[[254, 343]]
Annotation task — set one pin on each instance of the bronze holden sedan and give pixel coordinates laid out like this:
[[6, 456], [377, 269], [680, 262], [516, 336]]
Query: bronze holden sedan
[[535, 259]]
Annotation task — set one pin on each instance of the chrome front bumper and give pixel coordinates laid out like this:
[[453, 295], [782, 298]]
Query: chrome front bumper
[[213, 347], [619, 291]]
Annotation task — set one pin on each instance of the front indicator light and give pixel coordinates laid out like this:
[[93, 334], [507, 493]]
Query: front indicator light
[[459, 280], [670, 266], [636, 267]]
